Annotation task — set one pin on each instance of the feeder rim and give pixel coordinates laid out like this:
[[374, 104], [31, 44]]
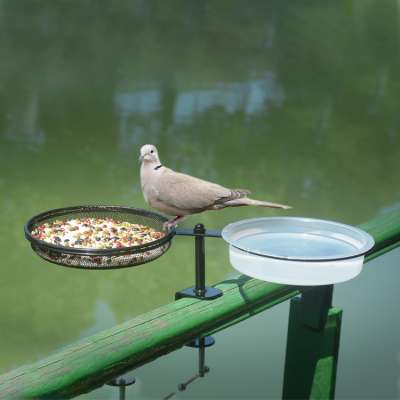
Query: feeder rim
[[367, 246], [58, 212]]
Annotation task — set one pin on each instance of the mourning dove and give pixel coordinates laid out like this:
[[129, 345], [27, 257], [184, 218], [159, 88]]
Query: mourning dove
[[178, 194]]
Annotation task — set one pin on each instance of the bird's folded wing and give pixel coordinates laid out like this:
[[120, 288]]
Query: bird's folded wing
[[187, 192]]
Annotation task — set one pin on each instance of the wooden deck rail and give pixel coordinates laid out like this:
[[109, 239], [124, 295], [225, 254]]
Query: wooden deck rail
[[92, 361]]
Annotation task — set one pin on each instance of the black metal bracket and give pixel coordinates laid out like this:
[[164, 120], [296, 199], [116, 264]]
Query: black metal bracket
[[205, 341], [202, 368], [122, 382], [200, 290], [201, 344], [190, 232]]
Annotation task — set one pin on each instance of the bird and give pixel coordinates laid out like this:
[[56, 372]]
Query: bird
[[179, 195]]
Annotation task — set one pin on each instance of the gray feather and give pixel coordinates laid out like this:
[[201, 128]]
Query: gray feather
[[189, 193]]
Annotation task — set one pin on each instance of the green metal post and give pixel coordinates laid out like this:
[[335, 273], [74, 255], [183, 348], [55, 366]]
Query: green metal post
[[312, 346]]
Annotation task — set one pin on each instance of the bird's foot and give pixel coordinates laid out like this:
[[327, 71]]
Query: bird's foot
[[167, 226], [172, 223]]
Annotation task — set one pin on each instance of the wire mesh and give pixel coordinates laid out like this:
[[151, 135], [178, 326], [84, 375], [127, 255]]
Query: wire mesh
[[101, 258]]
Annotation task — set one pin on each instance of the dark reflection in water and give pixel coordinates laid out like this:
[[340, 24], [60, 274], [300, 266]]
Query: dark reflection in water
[[296, 101], [123, 382]]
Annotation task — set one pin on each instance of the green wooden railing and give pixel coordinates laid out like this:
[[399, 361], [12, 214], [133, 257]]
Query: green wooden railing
[[313, 336]]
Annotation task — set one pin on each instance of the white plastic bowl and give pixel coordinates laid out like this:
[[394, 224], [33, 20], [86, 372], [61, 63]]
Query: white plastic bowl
[[297, 251]]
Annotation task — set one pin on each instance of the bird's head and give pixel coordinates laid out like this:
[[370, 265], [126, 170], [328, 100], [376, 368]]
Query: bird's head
[[149, 152]]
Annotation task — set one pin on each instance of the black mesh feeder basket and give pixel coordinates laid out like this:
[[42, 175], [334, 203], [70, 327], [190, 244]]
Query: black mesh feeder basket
[[88, 258]]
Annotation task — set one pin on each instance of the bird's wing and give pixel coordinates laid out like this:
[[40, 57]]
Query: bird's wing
[[189, 193]]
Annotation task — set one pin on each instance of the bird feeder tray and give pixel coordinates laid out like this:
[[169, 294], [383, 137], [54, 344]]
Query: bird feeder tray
[[95, 258], [297, 251]]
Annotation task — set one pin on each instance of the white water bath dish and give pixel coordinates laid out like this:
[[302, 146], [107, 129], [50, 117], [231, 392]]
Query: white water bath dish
[[297, 251]]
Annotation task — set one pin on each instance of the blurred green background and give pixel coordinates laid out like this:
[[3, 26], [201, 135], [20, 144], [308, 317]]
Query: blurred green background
[[295, 100]]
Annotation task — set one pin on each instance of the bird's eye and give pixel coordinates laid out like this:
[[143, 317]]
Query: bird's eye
[[152, 151]]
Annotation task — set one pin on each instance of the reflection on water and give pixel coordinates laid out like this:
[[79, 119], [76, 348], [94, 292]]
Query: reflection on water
[[23, 129], [251, 97], [103, 318], [296, 101]]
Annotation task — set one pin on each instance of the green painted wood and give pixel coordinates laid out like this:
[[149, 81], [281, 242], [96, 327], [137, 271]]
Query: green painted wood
[[106, 354], [94, 360], [311, 355], [385, 230]]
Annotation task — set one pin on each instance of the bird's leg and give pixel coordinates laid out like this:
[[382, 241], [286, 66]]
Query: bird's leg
[[172, 223]]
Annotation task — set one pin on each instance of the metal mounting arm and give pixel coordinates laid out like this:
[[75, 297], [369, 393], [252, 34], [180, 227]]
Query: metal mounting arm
[[200, 290]]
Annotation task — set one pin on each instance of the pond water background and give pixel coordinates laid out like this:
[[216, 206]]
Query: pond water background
[[296, 101]]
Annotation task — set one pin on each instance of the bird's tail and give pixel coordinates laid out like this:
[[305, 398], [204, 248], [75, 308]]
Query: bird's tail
[[246, 201]]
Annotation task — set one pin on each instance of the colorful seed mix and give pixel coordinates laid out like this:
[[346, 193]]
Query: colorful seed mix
[[95, 233]]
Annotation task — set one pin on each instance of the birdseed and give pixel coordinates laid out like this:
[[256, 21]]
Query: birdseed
[[95, 233]]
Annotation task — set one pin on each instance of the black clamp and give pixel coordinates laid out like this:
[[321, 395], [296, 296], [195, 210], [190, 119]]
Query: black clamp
[[200, 290], [202, 370], [122, 382]]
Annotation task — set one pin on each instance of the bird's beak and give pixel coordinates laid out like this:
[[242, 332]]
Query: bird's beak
[[141, 159]]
